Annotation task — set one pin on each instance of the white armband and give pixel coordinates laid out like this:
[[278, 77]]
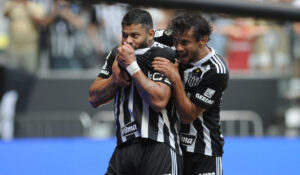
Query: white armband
[[133, 68]]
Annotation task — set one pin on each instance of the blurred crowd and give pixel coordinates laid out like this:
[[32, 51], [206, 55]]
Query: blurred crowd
[[59, 34], [39, 35]]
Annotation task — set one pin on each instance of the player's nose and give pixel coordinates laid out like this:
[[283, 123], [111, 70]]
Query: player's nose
[[129, 40]]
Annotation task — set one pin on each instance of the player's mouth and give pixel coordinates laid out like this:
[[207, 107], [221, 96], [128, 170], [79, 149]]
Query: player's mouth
[[183, 57]]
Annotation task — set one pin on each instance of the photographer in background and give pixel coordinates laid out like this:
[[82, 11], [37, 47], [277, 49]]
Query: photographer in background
[[62, 24]]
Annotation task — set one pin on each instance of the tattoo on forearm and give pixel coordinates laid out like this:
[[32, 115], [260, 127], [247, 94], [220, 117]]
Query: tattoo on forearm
[[145, 84], [107, 91]]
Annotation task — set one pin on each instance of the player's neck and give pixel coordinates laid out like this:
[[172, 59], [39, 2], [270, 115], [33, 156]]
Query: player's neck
[[150, 42], [203, 52]]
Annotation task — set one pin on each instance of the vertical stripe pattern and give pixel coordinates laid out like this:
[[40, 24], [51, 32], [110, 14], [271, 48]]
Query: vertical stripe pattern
[[136, 118], [174, 162], [219, 170], [205, 82]]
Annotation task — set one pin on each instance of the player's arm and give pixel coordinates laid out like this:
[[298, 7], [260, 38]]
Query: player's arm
[[187, 110], [104, 88], [157, 94], [8, 7], [102, 91]]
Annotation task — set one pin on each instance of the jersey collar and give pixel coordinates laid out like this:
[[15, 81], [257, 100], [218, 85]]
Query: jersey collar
[[204, 59], [143, 50]]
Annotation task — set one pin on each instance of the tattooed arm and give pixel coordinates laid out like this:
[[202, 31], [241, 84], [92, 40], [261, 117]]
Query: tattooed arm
[[102, 90], [156, 94]]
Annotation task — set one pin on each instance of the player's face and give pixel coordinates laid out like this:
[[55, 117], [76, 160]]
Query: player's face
[[187, 47], [136, 35]]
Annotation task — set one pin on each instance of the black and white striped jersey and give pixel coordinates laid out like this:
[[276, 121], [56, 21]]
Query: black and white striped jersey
[[205, 82], [134, 117]]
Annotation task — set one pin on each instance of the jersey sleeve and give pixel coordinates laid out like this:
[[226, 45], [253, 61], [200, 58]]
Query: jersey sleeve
[[209, 90], [167, 53], [106, 70]]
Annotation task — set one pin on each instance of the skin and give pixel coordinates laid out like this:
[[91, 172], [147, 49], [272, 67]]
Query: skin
[[102, 91], [189, 51], [37, 20], [156, 94]]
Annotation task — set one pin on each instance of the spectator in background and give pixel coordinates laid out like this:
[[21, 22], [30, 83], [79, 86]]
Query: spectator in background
[[241, 36], [106, 19], [63, 22], [271, 50], [295, 48], [25, 17], [161, 17], [293, 89], [218, 40]]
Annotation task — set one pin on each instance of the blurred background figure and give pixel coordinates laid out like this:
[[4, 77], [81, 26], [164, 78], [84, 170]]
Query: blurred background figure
[[292, 92], [161, 17], [271, 48], [241, 35], [62, 23], [104, 29], [25, 17]]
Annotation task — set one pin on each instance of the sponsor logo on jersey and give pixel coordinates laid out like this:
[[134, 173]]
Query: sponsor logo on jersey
[[209, 93], [129, 129], [186, 139], [159, 33], [157, 76], [204, 99]]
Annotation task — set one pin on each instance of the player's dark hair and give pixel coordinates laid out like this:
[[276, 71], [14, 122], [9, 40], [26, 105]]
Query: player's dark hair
[[183, 22], [138, 16]]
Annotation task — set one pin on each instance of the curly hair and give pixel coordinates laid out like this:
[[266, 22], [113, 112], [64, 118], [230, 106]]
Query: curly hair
[[183, 22]]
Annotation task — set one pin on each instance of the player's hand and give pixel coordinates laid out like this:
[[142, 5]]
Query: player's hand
[[120, 76], [126, 55], [167, 68]]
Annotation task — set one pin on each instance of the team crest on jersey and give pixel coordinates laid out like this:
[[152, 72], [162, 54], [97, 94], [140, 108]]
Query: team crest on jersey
[[194, 77], [186, 139]]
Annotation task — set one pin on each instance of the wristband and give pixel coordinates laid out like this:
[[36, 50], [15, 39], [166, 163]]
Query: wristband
[[133, 68]]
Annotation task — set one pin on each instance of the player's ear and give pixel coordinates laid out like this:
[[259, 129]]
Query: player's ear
[[204, 40], [151, 33]]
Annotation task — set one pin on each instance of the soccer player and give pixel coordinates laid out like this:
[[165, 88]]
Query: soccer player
[[205, 77], [145, 117]]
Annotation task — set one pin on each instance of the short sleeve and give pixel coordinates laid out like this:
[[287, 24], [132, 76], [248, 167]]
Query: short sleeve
[[106, 70], [167, 53], [209, 90]]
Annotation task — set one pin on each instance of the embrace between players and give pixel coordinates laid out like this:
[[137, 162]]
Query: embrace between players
[[167, 112]]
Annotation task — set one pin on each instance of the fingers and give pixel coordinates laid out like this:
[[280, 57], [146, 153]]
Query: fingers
[[123, 83], [176, 62], [159, 69], [161, 59]]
